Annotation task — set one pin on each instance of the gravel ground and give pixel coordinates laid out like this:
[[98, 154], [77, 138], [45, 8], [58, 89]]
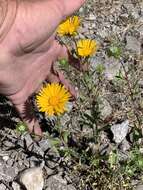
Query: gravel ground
[[106, 21]]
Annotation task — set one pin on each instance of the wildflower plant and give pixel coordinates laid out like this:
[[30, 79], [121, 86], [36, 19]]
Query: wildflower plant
[[81, 148]]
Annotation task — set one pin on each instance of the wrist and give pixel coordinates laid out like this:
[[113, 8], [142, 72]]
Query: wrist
[[8, 10]]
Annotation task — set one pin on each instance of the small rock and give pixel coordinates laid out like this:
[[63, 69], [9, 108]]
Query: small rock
[[135, 182], [120, 131], [92, 17], [71, 187], [7, 173], [20, 143], [10, 162], [2, 186], [44, 145], [141, 150], [69, 107], [123, 156], [133, 44], [15, 186], [32, 178], [8, 144], [57, 182], [5, 158], [28, 141], [33, 161], [81, 10], [124, 145], [140, 29], [106, 109], [49, 171], [38, 150], [112, 68], [64, 119], [139, 187], [103, 149]]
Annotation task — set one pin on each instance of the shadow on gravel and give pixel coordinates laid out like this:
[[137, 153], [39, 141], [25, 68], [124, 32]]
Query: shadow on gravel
[[8, 114]]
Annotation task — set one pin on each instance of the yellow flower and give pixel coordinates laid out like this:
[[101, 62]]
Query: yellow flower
[[52, 99], [86, 47], [69, 26]]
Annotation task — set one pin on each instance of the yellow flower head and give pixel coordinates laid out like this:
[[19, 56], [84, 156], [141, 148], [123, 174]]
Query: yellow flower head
[[86, 47], [52, 99], [69, 26]]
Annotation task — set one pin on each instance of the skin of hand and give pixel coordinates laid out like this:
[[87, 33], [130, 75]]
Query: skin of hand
[[29, 50]]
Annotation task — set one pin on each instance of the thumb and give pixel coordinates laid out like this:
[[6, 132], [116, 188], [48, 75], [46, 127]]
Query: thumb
[[37, 20]]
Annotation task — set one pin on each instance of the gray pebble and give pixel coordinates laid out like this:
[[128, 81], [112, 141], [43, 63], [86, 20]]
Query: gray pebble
[[120, 131]]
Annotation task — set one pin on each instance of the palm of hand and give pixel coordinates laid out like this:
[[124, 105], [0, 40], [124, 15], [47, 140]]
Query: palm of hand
[[27, 58]]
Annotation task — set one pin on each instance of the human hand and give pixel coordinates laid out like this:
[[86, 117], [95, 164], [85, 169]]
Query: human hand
[[29, 50]]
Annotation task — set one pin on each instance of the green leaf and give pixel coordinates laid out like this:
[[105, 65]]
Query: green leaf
[[21, 127], [66, 152], [63, 62], [112, 159], [95, 162], [88, 117], [114, 51], [119, 76], [65, 135], [137, 134], [140, 163], [100, 69], [55, 142], [130, 172]]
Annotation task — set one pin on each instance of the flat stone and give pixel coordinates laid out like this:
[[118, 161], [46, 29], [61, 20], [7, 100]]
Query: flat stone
[[2, 186], [8, 144], [112, 67], [37, 149], [7, 173], [57, 182], [120, 131], [32, 162], [5, 158], [44, 144], [28, 141], [106, 109], [133, 44], [124, 145], [139, 187], [32, 178], [15, 186]]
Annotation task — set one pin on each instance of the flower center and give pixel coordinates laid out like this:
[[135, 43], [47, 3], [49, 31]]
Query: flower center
[[53, 101]]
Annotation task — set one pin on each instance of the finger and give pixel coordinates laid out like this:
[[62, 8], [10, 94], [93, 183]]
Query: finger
[[41, 24], [55, 75], [52, 78], [66, 83]]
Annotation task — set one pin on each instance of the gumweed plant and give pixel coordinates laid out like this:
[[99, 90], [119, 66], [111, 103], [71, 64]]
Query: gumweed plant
[[53, 98]]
